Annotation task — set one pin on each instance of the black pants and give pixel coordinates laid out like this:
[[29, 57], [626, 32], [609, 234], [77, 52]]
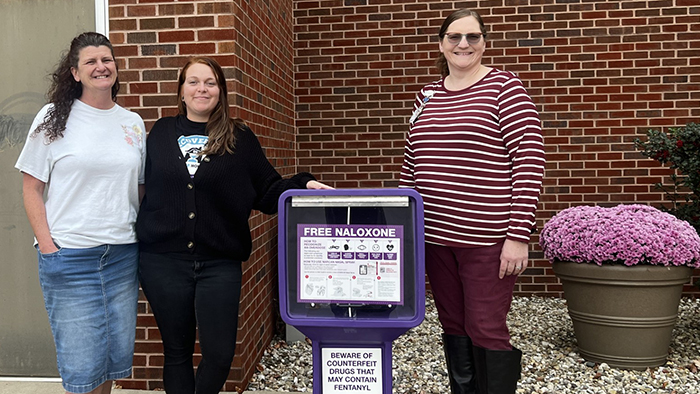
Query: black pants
[[186, 295]]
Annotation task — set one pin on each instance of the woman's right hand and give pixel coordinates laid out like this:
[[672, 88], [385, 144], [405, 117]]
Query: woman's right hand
[[48, 248], [33, 194]]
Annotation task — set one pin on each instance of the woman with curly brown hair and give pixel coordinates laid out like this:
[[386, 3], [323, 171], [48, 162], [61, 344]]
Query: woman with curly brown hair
[[88, 153]]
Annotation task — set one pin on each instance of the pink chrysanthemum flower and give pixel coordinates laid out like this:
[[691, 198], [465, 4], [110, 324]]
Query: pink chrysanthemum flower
[[625, 234]]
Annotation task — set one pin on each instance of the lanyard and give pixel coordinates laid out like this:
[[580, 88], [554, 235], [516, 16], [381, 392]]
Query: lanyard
[[416, 113]]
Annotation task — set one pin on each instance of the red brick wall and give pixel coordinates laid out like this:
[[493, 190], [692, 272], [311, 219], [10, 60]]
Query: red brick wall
[[600, 72], [338, 77], [253, 41]]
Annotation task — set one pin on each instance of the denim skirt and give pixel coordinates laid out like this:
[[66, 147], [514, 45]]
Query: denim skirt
[[91, 297]]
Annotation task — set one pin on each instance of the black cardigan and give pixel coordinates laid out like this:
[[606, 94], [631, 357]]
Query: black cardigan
[[206, 216]]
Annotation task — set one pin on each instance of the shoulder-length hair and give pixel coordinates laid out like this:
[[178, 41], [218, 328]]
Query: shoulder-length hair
[[64, 88], [441, 62], [221, 128]]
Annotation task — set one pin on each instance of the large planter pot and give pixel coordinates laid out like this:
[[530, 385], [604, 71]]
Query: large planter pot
[[623, 316]]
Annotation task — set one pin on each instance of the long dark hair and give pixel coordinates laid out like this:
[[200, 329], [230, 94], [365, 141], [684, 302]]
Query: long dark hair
[[64, 88], [441, 62], [220, 127]]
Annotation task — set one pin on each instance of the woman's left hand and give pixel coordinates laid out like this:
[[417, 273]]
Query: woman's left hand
[[317, 185], [513, 258]]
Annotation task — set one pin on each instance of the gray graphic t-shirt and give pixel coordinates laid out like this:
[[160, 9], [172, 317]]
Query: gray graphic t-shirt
[[191, 147]]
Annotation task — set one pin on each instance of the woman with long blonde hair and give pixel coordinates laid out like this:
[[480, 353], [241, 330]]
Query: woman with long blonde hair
[[205, 173]]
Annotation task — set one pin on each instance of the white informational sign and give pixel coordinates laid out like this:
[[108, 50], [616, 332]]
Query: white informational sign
[[350, 263], [352, 370]]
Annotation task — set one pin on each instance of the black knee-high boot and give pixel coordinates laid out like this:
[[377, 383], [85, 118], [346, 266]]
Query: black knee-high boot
[[497, 371], [459, 357]]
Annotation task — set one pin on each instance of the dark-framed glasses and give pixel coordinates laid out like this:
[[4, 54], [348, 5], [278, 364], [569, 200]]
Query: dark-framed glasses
[[472, 38]]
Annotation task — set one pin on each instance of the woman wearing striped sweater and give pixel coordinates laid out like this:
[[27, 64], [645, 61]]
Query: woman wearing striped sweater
[[475, 154]]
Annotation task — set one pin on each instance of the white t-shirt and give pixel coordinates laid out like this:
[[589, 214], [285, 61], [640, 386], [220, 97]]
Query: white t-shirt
[[92, 175]]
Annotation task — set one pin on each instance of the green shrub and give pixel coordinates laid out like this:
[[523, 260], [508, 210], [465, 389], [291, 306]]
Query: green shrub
[[680, 150]]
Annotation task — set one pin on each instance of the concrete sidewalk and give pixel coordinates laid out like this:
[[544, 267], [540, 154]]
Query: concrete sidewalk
[[33, 387]]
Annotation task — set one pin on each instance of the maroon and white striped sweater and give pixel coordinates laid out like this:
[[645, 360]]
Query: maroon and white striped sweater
[[476, 156]]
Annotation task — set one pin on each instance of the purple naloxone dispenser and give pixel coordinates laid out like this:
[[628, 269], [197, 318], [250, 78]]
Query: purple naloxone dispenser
[[352, 279]]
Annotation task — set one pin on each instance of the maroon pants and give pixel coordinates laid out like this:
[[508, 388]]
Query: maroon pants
[[470, 298]]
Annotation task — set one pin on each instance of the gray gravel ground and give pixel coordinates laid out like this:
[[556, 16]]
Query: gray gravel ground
[[540, 327]]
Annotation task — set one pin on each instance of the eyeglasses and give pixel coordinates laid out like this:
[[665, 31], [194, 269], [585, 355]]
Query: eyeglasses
[[472, 38]]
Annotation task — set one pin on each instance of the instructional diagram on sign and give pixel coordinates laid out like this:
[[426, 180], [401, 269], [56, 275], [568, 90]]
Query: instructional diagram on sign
[[350, 263]]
